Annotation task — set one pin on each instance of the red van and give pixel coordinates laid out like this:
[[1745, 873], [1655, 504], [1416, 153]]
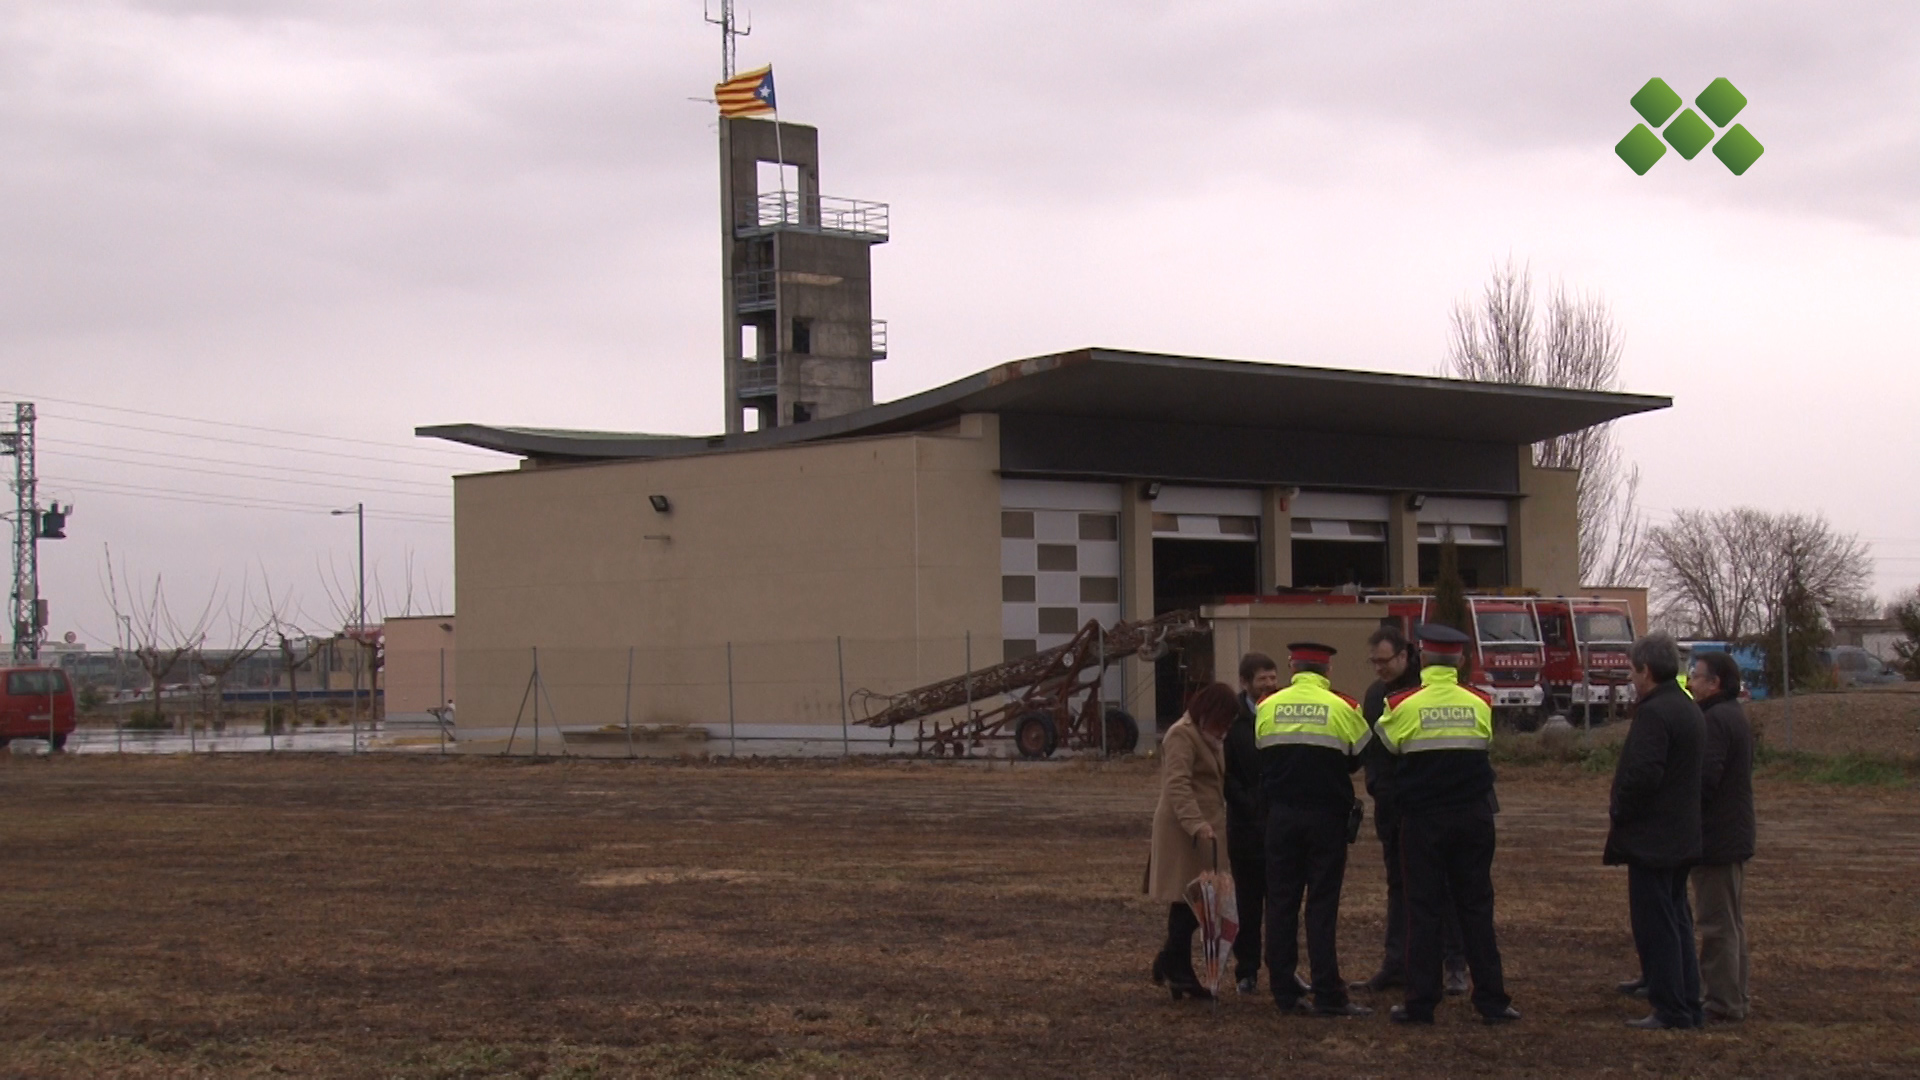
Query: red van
[[35, 703]]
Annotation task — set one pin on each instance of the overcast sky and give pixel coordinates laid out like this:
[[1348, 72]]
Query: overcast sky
[[347, 218]]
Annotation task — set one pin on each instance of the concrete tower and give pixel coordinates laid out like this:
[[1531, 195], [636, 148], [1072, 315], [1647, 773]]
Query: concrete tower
[[797, 283]]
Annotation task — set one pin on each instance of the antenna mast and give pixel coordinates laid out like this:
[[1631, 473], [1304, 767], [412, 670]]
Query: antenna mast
[[727, 35], [26, 534]]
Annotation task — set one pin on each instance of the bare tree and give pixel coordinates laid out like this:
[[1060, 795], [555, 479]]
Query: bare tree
[[159, 639], [247, 636], [1723, 573], [1501, 338], [280, 618], [368, 655]]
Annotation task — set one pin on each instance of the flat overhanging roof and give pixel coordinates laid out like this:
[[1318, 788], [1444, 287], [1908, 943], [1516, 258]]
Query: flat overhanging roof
[[1120, 385]]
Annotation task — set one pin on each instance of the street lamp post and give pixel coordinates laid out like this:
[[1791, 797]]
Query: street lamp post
[[359, 513]]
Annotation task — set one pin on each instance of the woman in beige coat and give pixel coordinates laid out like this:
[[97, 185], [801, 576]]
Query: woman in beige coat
[[1189, 826]]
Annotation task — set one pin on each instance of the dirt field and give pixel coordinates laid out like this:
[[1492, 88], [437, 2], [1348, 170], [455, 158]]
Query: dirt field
[[394, 916], [1881, 720]]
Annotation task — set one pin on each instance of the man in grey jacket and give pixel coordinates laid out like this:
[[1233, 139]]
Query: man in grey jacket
[[1654, 831], [1726, 836]]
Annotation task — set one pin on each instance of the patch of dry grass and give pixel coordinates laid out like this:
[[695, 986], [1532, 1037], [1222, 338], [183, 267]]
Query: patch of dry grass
[[387, 916]]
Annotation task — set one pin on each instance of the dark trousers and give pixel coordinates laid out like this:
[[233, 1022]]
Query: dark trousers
[[1448, 857], [1177, 953], [1663, 935], [1306, 854], [1394, 962], [1250, 897]]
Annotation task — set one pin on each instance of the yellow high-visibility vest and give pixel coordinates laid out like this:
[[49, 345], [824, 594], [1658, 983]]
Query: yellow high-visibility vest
[[1440, 714], [1309, 712]]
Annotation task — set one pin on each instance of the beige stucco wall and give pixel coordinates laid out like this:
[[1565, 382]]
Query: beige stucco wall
[[891, 543], [414, 648], [1268, 628], [1633, 596], [1546, 529]]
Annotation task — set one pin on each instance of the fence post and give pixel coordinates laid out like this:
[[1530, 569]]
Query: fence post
[[627, 709], [840, 656], [1786, 675], [536, 702], [442, 725], [967, 716], [733, 750], [1100, 694], [353, 702]]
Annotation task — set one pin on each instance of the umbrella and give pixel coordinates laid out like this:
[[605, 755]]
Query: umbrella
[[1211, 897]]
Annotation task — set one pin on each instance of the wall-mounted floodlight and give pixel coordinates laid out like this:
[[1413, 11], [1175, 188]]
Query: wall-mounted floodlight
[[1150, 489], [1416, 501], [659, 503]]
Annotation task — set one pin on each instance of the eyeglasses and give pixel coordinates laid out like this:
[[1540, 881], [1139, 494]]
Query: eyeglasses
[[1382, 661]]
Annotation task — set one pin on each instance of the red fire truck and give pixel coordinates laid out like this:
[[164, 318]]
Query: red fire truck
[[1587, 671], [1505, 657]]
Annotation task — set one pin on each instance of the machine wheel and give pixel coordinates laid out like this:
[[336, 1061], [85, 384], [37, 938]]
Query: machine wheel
[[1035, 736], [1525, 719], [58, 743], [1123, 733]]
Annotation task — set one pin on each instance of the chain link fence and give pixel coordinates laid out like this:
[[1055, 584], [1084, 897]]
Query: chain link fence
[[738, 699]]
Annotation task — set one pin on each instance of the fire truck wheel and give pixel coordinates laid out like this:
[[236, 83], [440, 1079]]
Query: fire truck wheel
[[59, 742], [1035, 736], [1526, 719], [1123, 733]]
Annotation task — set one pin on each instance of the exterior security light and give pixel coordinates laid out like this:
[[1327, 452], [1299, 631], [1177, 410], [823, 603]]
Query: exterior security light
[[659, 503], [1150, 489], [1415, 502]]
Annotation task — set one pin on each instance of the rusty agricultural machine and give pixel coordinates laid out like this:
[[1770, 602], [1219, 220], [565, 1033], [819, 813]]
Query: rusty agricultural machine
[[1032, 699]]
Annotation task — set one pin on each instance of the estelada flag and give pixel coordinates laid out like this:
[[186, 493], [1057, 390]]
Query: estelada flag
[[749, 93]]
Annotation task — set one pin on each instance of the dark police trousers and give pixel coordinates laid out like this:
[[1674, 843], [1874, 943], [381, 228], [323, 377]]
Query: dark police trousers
[[1449, 863], [1663, 935], [1250, 896], [1306, 853], [1387, 828]]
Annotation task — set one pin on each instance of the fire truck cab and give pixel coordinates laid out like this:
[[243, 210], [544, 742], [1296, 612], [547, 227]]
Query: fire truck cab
[[1587, 669], [1505, 656]]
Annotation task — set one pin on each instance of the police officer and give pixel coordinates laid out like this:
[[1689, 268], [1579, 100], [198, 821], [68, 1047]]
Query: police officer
[[1310, 740], [1441, 733], [1397, 663]]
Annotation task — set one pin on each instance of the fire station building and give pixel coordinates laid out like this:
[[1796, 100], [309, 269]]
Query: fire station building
[[826, 546], [886, 546]]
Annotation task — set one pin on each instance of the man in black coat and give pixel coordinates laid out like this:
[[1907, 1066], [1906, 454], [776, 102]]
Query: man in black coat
[[1246, 818], [1654, 831], [1726, 836], [1397, 663]]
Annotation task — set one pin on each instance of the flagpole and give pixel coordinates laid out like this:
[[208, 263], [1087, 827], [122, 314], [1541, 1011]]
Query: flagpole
[[780, 166]]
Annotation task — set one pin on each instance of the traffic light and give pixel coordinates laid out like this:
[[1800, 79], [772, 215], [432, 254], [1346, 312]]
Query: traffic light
[[53, 522]]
